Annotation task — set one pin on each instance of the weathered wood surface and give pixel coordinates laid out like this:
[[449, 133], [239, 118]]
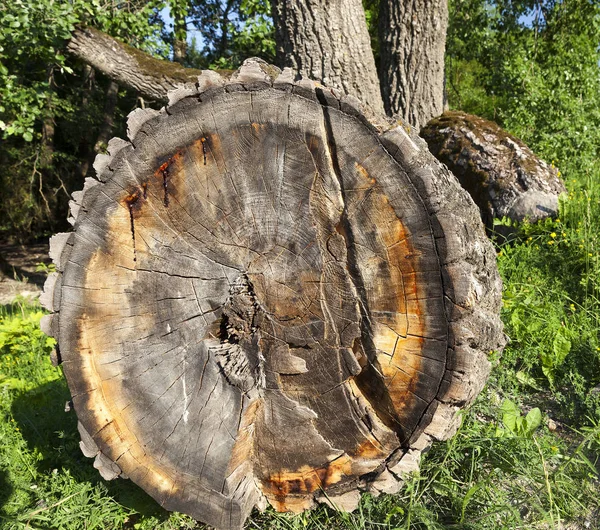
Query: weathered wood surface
[[269, 298], [504, 177]]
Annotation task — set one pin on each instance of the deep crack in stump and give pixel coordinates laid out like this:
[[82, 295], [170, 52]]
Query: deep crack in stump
[[270, 296]]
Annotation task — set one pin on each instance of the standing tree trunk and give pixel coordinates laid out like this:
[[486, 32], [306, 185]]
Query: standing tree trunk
[[106, 127], [412, 38], [48, 127], [267, 297], [108, 121], [87, 139], [328, 41], [179, 11]]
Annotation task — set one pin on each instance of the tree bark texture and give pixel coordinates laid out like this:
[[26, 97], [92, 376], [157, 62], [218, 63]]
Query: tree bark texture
[[503, 176], [128, 66], [412, 39], [179, 50], [269, 298], [328, 41]]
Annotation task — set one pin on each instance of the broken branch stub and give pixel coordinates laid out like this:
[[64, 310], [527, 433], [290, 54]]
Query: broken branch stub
[[270, 298]]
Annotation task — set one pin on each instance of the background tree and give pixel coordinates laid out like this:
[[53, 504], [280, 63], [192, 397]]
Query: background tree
[[546, 91], [43, 96], [412, 40], [328, 41], [231, 31], [55, 112], [179, 12]]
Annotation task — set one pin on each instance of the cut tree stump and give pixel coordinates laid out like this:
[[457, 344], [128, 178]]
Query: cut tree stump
[[269, 297]]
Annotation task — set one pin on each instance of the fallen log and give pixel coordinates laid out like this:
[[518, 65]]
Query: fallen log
[[269, 296], [127, 66], [502, 175]]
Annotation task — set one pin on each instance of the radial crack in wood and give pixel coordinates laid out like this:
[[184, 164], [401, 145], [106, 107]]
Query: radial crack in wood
[[267, 299]]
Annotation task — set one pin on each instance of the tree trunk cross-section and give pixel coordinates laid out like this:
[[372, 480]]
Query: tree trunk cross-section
[[269, 298]]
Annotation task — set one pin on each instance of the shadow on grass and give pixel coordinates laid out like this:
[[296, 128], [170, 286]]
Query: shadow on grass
[[6, 488], [47, 428]]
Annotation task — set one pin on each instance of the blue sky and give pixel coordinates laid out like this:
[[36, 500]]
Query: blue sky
[[165, 14]]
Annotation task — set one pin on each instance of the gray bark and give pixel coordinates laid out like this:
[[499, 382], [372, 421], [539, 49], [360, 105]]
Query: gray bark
[[128, 66], [412, 38], [179, 50], [268, 297], [328, 41]]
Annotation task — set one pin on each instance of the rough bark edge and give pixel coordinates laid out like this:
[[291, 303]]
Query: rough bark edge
[[464, 251]]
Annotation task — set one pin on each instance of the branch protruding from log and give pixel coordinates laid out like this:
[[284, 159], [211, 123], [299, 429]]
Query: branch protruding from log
[[128, 66]]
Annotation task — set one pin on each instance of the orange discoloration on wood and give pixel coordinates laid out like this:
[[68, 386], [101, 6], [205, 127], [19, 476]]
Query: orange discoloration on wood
[[242, 452], [365, 174], [109, 276], [258, 127], [176, 158], [208, 144], [290, 490], [370, 449], [396, 301]]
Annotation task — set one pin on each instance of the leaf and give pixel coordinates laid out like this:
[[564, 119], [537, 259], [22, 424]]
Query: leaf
[[548, 371], [510, 415], [27, 136], [472, 490], [561, 346], [396, 510], [526, 379], [532, 421]]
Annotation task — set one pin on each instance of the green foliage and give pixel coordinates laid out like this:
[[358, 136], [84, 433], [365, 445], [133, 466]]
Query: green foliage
[[546, 91], [517, 424], [179, 12], [32, 33], [51, 107], [551, 306], [21, 344], [32, 46], [231, 32]]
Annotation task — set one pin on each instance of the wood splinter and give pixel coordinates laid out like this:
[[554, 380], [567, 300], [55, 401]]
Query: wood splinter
[[292, 319]]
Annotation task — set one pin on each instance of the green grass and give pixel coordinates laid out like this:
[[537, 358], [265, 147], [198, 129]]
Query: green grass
[[503, 469]]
